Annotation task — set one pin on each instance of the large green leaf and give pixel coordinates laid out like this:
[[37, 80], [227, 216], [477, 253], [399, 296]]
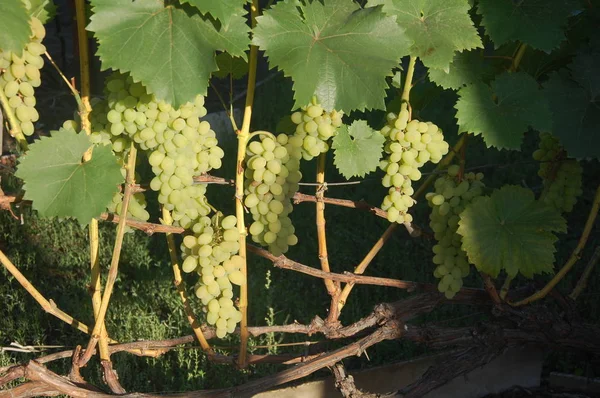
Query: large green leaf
[[510, 231], [575, 116], [223, 10], [537, 23], [357, 149], [44, 10], [335, 50], [170, 50], [438, 28], [503, 112], [466, 68], [60, 184], [585, 71], [14, 26]]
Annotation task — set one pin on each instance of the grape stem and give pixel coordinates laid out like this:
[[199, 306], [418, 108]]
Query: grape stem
[[180, 286], [585, 276], [262, 132], [518, 57], [114, 265], [575, 255], [96, 287], [15, 129], [243, 136], [71, 87]]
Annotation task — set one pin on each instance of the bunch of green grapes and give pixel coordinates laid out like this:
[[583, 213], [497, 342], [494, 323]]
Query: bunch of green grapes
[[20, 73], [272, 176], [450, 198], [562, 177], [314, 127], [409, 145], [180, 145], [137, 206], [211, 252]]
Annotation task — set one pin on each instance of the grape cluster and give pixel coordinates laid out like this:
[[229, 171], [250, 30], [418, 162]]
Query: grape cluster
[[136, 208], [562, 177], [19, 74], [450, 198], [314, 126], [210, 252], [409, 145], [272, 176], [180, 145]]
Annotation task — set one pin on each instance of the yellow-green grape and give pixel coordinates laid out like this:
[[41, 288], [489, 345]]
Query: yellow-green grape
[[314, 127], [409, 145], [211, 252], [562, 177], [449, 199], [136, 209], [272, 175], [20, 73]]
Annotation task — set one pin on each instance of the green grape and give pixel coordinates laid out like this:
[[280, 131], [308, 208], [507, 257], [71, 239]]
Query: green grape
[[272, 176], [20, 73], [314, 127], [407, 151], [450, 197], [562, 177]]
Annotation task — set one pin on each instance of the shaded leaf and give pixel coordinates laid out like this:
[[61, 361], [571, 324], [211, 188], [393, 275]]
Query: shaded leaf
[[466, 68], [336, 51], [228, 65], [503, 112], [60, 185], [510, 231], [538, 23], [44, 10], [357, 149], [575, 116]]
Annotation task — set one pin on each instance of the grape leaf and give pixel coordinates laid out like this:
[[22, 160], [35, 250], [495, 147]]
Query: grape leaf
[[357, 149], [44, 10], [14, 23], [223, 10], [336, 51], [437, 27], [466, 68], [510, 231], [575, 116], [228, 65], [60, 185], [397, 79], [585, 67], [537, 23], [502, 113], [170, 50]]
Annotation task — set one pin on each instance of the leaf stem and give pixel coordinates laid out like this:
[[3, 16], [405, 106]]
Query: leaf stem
[[518, 57], [589, 224], [239, 190], [15, 128], [506, 287], [180, 286], [114, 264], [71, 87]]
